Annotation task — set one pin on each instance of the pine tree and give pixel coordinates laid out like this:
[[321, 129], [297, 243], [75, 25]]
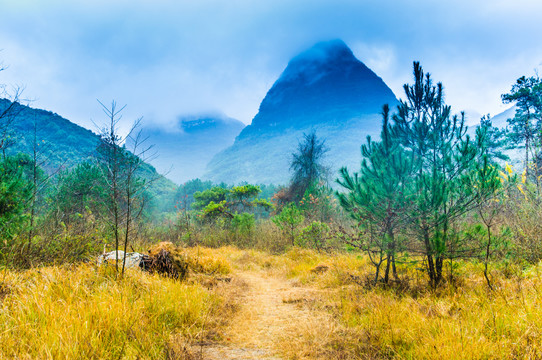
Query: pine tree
[[495, 139], [15, 189], [526, 126], [377, 197], [307, 166], [444, 160]]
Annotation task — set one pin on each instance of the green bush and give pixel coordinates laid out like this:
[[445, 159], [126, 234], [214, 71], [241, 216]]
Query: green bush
[[288, 221], [314, 235]]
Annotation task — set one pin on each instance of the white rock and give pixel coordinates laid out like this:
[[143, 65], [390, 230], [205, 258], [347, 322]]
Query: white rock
[[132, 259]]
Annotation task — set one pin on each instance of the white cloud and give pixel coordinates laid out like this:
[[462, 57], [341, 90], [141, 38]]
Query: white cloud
[[167, 58]]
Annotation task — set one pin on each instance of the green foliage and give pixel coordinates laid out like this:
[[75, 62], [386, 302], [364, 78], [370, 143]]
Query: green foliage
[[243, 224], [444, 160], [184, 196], [495, 140], [15, 191], [66, 145], [526, 93], [263, 204], [240, 198], [421, 178], [79, 190], [526, 126], [268, 190], [243, 192], [213, 210], [219, 201], [377, 198], [288, 221], [203, 198], [61, 141], [314, 235], [319, 203], [307, 165]]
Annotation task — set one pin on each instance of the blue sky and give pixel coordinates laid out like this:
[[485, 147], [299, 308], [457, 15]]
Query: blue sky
[[165, 58]]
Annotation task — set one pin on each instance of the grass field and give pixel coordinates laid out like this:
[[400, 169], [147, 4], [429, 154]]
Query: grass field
[[84, 311]]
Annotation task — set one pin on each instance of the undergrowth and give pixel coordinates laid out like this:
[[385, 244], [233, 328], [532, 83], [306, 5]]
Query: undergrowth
[[85, 312], [462, 319]]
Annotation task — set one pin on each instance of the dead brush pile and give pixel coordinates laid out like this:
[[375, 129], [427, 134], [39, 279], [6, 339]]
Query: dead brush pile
[[176, 262], [166, 259]]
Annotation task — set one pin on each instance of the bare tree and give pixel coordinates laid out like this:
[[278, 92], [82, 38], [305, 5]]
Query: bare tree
[[125, 187]]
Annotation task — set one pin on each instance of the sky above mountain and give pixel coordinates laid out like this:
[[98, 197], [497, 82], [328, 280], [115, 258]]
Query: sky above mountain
[[166, 58]]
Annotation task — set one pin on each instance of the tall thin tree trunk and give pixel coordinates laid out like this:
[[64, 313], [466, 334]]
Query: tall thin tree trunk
[[388, 264], [430, 262], [486, 261], [394, 269], [377, 273]]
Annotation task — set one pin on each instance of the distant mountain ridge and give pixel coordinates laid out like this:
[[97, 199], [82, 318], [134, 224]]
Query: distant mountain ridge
[[183, 152], [63, 144], [61, 141], [325, 89], [501, 120]]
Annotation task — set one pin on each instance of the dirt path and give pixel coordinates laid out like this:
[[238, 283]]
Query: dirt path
[[274, 318]]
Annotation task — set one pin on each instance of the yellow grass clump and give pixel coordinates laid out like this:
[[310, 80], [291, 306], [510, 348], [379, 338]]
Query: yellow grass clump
[[83, 312], [463, 319]]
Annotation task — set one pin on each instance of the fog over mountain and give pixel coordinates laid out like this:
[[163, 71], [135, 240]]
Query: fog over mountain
[[501, 120], [169, 57], [324, 89], [181, 153]]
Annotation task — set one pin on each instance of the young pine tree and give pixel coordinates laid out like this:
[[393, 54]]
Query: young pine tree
[[377, 196], [444, 160], [526, 126]]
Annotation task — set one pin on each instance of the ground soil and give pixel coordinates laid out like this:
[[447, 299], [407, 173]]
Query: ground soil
[[275, 321]]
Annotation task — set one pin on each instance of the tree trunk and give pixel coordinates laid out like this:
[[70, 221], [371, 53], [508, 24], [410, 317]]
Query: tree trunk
[[394, 269], [439, 261], [388, 263], [429, 255], [377, 274], [486, 261]]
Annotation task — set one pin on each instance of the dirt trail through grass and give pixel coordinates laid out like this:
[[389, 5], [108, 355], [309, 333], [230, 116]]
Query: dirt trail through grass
[[275, 321]]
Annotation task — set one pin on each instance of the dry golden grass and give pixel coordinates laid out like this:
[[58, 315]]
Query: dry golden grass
[[463, 320], [84, 312], [469, 322], [299, 305]]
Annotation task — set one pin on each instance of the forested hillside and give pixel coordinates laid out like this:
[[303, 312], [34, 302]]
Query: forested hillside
[[58, 145], [60, 142]]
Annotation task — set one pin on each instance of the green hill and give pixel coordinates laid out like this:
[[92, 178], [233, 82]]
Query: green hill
[[62, 144]]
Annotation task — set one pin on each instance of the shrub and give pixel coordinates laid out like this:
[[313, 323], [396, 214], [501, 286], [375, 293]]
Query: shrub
[[288, 221], [314, 235]]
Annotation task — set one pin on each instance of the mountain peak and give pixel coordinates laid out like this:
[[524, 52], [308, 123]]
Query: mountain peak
[[322, 83], [318, 60], [206, 121], [324, 89], [326, 51]]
